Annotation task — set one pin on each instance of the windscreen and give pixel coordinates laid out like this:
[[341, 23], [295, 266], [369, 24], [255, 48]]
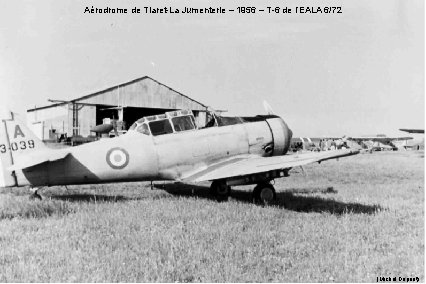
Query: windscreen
[[183, 123], [160, 127], [143, 128]]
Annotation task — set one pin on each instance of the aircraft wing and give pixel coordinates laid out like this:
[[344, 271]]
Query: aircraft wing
[[401, 138], [413, 130], [242, 166], [39, 157]]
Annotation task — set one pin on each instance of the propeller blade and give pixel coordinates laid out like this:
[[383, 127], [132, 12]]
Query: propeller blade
[[303, 170], [268, 108]]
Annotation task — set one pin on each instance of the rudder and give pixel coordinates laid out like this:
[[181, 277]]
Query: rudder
[[16, 140]]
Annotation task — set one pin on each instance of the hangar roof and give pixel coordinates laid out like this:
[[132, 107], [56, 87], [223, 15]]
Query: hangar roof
[[141, 92]]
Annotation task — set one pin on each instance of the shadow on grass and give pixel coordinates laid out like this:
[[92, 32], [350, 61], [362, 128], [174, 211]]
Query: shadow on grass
[[322, 205], [290, 200], [91, 198]]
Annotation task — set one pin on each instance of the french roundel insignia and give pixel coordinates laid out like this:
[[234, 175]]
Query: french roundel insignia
[[117, 158]]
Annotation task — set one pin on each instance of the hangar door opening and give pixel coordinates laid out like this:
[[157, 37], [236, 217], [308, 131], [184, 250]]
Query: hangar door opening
[[128, 115], [131, 114]]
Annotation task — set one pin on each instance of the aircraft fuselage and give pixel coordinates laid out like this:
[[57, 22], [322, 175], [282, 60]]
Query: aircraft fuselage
[[139, 157]]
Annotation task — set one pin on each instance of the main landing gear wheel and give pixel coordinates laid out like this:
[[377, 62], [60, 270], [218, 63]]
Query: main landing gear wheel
[[220, 189], [264, 193]]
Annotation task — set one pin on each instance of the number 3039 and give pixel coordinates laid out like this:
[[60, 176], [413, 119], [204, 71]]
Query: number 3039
[[15, 146]]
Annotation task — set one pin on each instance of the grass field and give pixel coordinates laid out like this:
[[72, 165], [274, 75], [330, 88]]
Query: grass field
[[346, 221]]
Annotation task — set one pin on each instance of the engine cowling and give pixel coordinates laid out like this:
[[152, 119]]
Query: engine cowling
[[281, 135]]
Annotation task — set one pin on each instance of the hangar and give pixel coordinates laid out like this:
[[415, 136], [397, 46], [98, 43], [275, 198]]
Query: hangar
[[125, 103]]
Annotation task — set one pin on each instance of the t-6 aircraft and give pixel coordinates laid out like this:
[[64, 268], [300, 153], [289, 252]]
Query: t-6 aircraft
[[318, 143], [228, 151], [379, 142]]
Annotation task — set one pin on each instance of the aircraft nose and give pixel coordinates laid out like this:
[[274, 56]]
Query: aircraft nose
[[281, 135]]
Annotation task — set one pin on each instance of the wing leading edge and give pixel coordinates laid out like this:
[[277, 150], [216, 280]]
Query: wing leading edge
[[253, 165]]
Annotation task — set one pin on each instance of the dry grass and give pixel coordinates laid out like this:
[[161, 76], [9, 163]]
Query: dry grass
[[21, 207], [351, 220]]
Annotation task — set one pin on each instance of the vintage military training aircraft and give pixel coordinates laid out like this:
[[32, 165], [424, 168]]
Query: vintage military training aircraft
[[319, 143], [378, 142], [228, 151]]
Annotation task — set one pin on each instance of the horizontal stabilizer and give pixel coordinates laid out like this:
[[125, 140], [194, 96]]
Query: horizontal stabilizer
[[39, 157]]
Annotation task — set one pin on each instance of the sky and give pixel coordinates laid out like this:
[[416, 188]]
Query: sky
[[356, 73]]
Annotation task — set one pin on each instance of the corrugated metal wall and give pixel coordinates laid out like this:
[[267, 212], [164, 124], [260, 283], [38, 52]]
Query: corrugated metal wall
[[43, 121], [86, 120]]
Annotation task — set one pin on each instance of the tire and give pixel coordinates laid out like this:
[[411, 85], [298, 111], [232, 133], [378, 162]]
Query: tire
[[264, 194], [220, 190]]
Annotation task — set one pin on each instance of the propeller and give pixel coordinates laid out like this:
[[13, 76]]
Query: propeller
[[268, 108]]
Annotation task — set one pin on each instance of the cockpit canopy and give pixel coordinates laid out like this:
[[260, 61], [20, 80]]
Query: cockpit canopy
[[183, 120], [169, 122]]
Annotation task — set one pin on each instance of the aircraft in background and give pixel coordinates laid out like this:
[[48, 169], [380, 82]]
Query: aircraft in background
[[417, 145], [319, 143], [229, 151], [413, 130], [379, 142], [370, 143], [303, 144], [111, 127], [104, 128]]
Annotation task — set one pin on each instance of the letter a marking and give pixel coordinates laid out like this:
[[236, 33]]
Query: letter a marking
[[18, 131]]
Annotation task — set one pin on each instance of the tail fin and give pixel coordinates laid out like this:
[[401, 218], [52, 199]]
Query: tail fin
[[16, 141]]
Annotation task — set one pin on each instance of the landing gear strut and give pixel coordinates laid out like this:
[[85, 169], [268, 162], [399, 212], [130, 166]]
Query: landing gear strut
[[35, 194], [220, 189], [264, 193]]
